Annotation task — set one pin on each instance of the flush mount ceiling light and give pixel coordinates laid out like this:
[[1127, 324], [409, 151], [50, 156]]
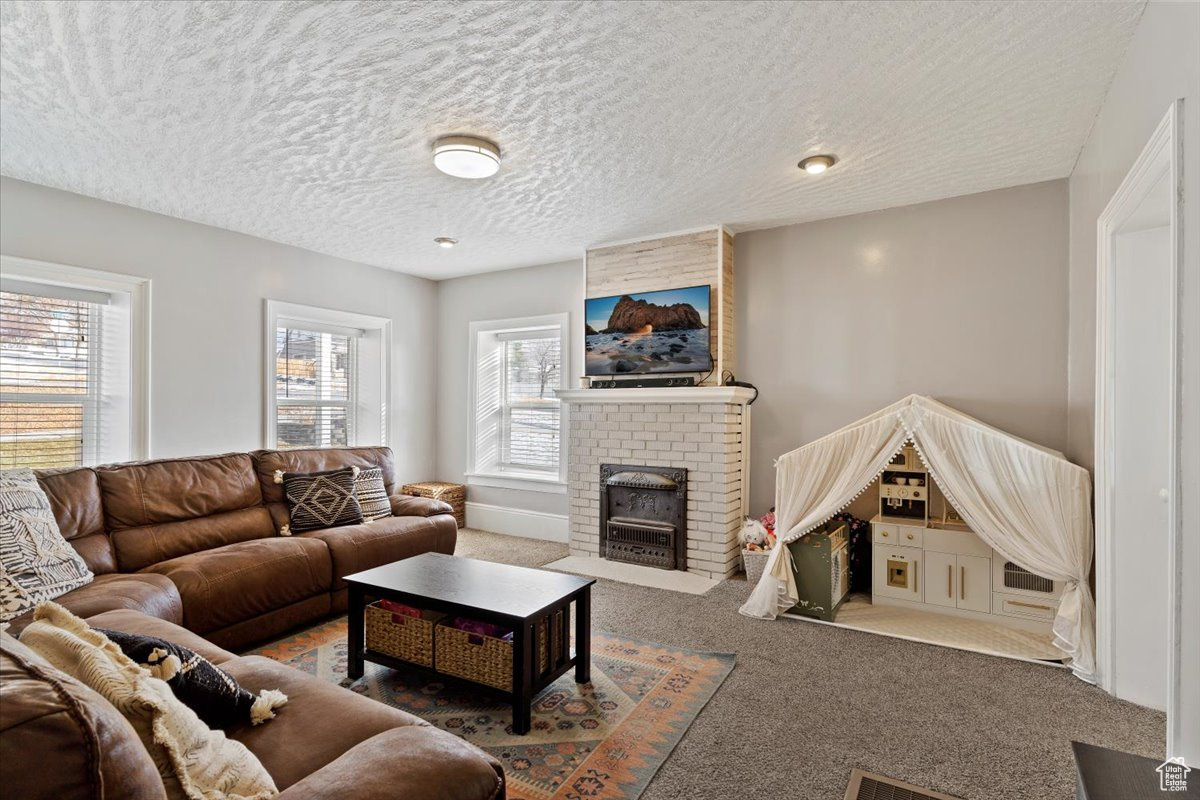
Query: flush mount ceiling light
[[466, 156], [445, 241], [815, 165]]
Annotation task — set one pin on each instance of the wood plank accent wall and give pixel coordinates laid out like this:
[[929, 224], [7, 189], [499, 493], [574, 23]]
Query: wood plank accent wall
[[673, 262], [728, 348]]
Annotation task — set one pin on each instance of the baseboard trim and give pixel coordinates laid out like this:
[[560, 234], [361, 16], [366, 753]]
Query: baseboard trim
[[518, 522]]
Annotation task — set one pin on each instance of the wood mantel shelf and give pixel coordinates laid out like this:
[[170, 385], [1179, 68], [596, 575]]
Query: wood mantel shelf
[[674, 394]]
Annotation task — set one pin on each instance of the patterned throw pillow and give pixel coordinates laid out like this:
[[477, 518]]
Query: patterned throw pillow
[[321, 499], [36, 562], [200, 684], [372, 496]]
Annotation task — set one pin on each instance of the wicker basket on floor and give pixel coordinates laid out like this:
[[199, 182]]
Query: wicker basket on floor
[[755, 562], [453, 493], [400, 636], [486, 659]]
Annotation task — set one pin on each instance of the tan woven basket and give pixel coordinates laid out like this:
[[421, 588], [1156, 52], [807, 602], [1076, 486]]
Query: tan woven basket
[[453, 493], [755, 562], [486, 659], [407, 638]]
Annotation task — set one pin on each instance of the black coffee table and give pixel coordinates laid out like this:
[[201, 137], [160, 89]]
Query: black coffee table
[[513, 597]]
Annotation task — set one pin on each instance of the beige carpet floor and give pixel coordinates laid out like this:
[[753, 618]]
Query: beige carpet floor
[[807, 703]]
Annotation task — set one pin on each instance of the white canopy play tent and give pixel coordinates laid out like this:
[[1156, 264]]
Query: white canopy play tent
[[1027, 502]]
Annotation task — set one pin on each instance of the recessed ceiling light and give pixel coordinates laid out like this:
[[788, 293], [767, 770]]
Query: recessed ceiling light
[[815, 165], [466, 156], [445, 241]]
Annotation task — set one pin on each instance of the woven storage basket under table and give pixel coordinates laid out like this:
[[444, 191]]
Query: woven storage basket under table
[[453, 493], [486, 659], [401, 636]]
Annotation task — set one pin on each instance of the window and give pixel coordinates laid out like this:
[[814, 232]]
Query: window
[[517, 420], [314, 377], [328, 377], [67, 372]]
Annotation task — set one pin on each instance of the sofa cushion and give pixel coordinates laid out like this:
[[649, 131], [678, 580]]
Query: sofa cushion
[[372, 544], [45, 713], [404, 505], [430, 756], [36, 563], [169, 490], [157, 510], [230, 584], [74, 496], [321, 499], [317, 459], [154, 595], [137, 622], [287, 746], [140, 547]]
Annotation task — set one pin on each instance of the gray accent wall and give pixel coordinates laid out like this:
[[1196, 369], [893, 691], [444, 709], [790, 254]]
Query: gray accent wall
[[962, 299]]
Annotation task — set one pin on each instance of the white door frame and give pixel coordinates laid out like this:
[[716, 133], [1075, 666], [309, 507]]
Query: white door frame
[[1162, 155]]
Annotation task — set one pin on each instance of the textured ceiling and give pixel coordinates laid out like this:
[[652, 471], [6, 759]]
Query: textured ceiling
[[311, 124]]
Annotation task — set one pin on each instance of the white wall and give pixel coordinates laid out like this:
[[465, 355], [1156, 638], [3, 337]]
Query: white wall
[[1161, 64], [963, 299], [548, 289], [208, 288]]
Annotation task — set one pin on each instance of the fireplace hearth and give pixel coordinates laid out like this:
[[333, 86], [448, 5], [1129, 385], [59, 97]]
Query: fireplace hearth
[[643, 515]]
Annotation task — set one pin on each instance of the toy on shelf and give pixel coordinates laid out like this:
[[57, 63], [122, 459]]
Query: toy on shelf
[[904, 487]]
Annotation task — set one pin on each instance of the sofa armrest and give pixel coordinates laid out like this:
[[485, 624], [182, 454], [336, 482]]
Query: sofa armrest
[[404, 505], [415, 762]]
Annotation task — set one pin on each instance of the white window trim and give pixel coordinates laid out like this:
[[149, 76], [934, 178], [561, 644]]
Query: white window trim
[[551, 482], [138, 289], [333, 321]]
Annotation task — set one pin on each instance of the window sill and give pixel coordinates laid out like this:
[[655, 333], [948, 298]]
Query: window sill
[[518, 480]]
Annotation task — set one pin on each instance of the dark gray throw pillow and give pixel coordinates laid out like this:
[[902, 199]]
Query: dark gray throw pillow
[[321, 499], [199, 684]]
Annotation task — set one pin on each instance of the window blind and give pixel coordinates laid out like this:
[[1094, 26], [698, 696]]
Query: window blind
[[50, 365], [530, 410], [315, 386]]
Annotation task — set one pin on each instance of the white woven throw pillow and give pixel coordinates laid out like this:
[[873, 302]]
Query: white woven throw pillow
[[195, 763], [36, 562]]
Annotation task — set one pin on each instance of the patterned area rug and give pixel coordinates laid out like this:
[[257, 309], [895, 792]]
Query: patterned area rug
[[605, 739]]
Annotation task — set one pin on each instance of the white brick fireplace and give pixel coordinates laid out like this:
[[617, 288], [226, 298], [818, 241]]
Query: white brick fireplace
[[703, 429]]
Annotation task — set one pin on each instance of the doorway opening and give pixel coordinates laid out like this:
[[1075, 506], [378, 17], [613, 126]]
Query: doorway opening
[[1137, 422]]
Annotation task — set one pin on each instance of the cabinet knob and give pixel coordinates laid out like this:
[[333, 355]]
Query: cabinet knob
[[910, 536], [883, 534]]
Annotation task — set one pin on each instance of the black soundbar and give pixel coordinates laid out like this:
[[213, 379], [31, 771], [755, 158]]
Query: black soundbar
[[645, 383]]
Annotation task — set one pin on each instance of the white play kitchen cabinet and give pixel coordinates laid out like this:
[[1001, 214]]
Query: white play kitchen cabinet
[[943, 566]]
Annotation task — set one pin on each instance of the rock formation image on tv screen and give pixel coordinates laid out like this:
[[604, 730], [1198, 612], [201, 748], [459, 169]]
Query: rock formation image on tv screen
[[664, 331]]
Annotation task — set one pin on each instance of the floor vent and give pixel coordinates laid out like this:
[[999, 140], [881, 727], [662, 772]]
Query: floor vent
[[869, 786]]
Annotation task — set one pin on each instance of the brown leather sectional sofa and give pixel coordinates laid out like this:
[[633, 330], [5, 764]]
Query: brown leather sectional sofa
[[60, 739], [196, 541]]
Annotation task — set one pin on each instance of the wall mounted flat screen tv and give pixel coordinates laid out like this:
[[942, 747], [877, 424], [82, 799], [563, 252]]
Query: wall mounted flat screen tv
[[632, 334]]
